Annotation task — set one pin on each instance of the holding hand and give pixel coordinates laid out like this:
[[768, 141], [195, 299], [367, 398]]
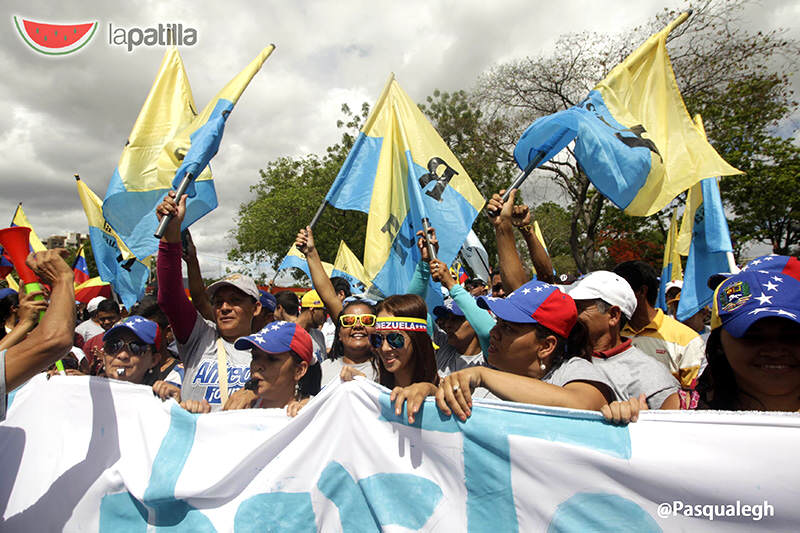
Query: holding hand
[[240, 399], [195, 406], [454, 395], [422, 243], [413, 396], [305, 240], [348, 373], [500, 212], [169, 206], [50, 267], [621, 413], [29, 309], [165, 390], [293, 407], [440, 273]]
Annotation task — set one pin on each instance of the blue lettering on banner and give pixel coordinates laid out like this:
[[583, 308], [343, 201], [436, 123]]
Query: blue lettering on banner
[[372, 502], [601, 512], [487, 463]]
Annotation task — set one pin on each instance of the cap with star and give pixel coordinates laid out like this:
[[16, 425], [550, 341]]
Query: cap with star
[[756, 293], [279, 337], [146, 330], [535, 302], [450, 307]]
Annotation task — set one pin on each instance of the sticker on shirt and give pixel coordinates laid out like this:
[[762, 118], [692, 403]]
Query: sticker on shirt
[[734, 296]]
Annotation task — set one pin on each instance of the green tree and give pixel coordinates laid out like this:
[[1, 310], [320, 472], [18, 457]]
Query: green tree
[[286, 197], [709, 52]]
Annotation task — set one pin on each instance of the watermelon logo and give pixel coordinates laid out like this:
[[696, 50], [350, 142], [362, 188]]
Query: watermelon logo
[[55, 39]]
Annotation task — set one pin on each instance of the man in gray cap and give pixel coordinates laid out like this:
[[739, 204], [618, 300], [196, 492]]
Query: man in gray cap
[[205, 347], [605, 302]]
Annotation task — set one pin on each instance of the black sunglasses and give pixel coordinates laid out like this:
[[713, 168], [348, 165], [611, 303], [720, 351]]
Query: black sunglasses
[[395, 340], [116, 346]]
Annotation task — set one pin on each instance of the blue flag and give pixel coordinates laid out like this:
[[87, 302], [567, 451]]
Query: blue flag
[[708, 253]]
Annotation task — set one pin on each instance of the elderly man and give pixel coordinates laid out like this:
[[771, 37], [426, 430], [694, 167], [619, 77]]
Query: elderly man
[[605, 303]]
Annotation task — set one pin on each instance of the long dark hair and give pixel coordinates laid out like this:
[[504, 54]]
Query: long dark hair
[[310, 383], [576, 345], [717, 385], [423, 357], [337, 348]]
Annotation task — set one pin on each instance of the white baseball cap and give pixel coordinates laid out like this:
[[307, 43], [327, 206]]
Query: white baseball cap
[[674, 283], [606, 286], [93, 303], [238, 281]]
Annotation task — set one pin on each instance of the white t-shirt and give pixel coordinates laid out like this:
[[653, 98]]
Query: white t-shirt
[[88, 329], [199, 356], [329, 330], [332, 368]]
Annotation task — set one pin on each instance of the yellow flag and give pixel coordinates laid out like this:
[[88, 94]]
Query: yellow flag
[[694, 198], [20, 219], [347, 262]]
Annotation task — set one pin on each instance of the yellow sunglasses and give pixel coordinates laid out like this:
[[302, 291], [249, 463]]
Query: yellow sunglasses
[[348, 321]]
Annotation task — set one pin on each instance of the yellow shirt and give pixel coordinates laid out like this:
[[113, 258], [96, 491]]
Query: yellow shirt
[[676, 345]]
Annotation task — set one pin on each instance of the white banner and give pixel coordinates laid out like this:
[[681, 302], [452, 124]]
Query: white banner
[[88, 454]]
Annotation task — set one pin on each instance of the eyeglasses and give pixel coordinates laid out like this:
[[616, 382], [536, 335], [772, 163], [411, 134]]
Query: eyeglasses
[[349, 321], [396, 340], [133, 348]]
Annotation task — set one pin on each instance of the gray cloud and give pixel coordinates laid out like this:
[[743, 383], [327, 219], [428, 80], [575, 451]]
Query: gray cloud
[[74, 113]]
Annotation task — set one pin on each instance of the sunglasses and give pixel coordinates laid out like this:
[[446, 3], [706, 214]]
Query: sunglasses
[[133, 348], [396, 340], [348, 321]]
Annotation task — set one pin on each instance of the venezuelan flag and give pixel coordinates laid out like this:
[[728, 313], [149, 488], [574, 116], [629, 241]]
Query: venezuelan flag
[[710, 249], [671, 266], [115, 262], [169, 139], [6, 266], [80, 268], [633, 136], [92, 288], [400, 171]]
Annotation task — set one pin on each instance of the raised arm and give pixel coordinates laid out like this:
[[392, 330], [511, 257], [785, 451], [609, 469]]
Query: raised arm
[[521, 219], [319, 278], [52, 338], [171, 296], [511, 270], [197, 289]]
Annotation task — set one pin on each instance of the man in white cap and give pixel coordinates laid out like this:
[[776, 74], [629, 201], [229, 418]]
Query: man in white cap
[[89, 328], [205, 347], [605, 303]]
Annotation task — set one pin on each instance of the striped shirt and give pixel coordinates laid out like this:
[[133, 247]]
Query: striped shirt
[[676, 345]]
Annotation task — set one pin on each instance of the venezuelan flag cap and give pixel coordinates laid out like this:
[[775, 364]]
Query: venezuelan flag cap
[[279, 337], [767, 287], [535, 303]]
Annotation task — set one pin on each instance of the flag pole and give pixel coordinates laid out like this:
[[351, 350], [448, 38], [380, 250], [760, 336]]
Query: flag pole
[[523, 175], [185, 182]]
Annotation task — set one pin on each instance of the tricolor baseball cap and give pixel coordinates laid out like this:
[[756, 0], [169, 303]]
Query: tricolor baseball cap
[[238, 281], [450, 307], [751, 295], [279, 337], [311, 300], [146, 330], [535, 302], [606, 286]]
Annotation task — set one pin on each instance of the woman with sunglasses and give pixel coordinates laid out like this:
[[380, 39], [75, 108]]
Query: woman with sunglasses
[[131, 350], [354, 319]]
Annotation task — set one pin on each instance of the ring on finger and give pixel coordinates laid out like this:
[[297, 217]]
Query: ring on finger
[[455, 387]]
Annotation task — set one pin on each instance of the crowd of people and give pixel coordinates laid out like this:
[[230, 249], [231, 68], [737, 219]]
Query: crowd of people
[[596, 343]]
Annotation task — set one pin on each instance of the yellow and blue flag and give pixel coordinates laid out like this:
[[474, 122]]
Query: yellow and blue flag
[[346, 266], [671, 266], [19, 219], [115, 262], [400, 171], [12, 283], [710, 245], [169, 139], [80, 268], [633, 136]]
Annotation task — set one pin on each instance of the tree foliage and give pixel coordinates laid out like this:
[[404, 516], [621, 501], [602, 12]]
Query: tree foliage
[[288, 194], [711, 53]]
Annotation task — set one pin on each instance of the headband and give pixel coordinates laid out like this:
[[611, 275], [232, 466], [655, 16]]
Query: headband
[[402, 323]]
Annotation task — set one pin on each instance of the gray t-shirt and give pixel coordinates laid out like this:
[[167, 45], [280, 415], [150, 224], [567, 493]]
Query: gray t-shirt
[[577, 369], [318, 344], [632, 372], [2, 385], [449, 360], [88, 329], [199, 356], [332, 368]]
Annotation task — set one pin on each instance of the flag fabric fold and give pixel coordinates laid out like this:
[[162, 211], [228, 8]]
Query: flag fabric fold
[[115, 262], [633, 136], [671, 266], [346, 266], [400, 171]]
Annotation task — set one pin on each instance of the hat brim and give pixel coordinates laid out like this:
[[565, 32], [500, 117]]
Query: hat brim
[[122, 326], [502, 308], [738, 325]]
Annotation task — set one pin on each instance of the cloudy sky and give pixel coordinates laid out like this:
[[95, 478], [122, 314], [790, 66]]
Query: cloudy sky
[[73, 113]]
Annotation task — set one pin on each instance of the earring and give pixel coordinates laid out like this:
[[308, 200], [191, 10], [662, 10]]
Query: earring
[[542, 367]]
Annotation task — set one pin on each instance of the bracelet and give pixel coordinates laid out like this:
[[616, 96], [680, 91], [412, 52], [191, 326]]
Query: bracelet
[[527, 228]]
